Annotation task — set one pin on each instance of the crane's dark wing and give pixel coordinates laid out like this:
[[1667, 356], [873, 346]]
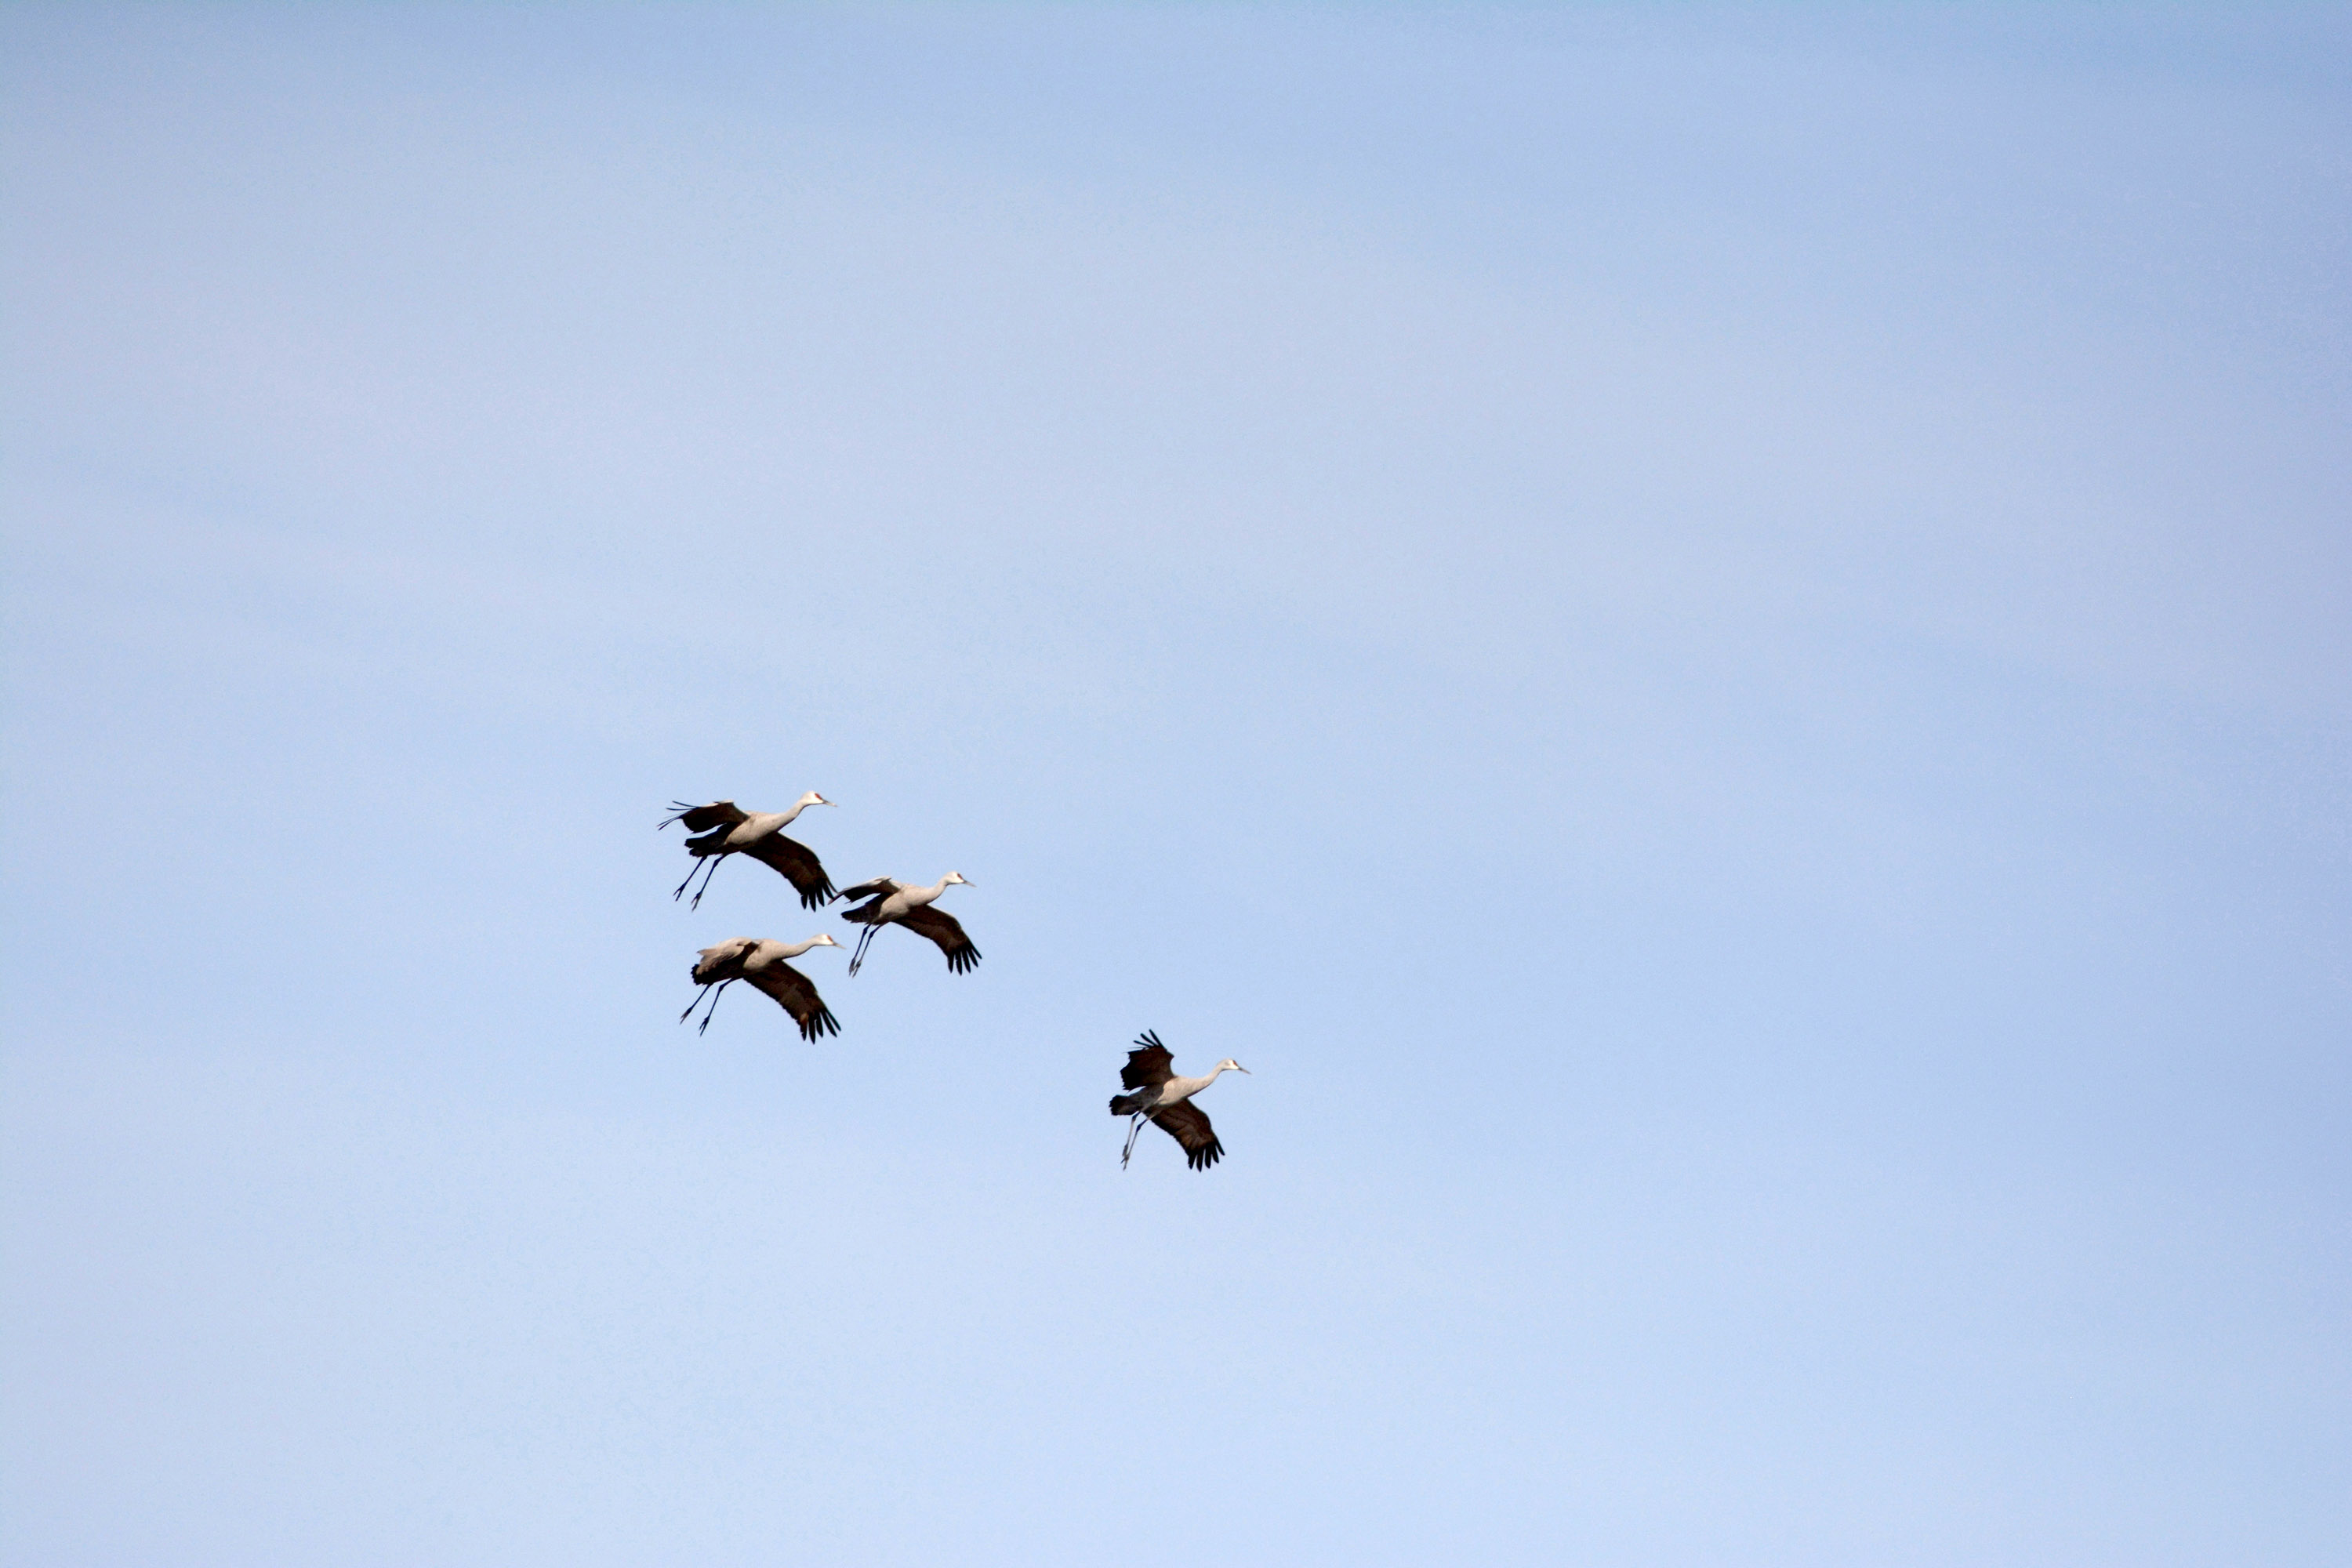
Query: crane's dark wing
[[944, 928], [869, 913], [796, 993], [1189, 1125], [724, 962], [703, 818], [798, 862], [1148, 1067]]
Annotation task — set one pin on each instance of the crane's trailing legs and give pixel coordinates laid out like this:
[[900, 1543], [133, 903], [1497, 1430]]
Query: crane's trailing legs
[[863, 939], [695, 902], [707, 869], [713, 996], [1134, 1125]]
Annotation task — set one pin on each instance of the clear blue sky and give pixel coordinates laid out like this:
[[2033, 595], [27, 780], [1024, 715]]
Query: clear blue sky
[[1720, 644]]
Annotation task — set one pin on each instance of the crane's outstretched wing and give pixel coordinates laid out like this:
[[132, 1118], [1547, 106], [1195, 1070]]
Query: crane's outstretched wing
[[703, 818], [1148, 1067], [879, 889], [724, 962], [799, 865], [941, 927], [1189, 1125], [796, 993]]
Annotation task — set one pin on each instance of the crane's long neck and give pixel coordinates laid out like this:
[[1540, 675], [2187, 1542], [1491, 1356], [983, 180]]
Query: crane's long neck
[[1186, 1088], [784, 817], [791, 950]]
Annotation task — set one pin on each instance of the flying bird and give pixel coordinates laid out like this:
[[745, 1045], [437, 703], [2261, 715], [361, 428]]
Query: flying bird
[[725, 830], [760, 960], [1167, 1100], [899, 903]]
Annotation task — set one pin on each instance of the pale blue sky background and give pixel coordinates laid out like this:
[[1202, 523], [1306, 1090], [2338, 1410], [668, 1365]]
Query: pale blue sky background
[[1721, 644]]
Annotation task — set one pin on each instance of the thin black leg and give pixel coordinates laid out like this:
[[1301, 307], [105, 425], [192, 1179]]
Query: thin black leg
[[715, 995], [711, 872]]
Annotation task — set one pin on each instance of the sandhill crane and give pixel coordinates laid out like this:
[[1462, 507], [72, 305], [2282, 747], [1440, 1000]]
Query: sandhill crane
[[725, 830], [903, 904], [760, 960], [1167, 1100]]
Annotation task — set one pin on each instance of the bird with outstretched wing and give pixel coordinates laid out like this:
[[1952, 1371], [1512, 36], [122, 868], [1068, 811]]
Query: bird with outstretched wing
[[722, 828], [1156, 1094]]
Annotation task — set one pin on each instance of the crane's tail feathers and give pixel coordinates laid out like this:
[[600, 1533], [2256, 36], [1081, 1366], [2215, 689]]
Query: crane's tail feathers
[[1129, 1104]]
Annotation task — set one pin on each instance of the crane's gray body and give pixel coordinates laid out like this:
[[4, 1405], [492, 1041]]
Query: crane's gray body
[[1178, 1090], [750, 830], [759, 951], [912, 896]]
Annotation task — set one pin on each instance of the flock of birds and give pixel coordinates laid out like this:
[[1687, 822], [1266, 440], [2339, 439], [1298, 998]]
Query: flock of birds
[[1155, 1092]]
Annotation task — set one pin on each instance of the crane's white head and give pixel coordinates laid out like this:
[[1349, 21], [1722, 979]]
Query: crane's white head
[[813, 798], [955, 877], [1235, 1065], [821, 940]]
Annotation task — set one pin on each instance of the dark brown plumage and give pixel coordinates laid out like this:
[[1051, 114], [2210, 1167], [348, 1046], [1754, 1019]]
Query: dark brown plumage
[[703, 818], [796, 861], [1189, 1125], [1148, 1066]]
